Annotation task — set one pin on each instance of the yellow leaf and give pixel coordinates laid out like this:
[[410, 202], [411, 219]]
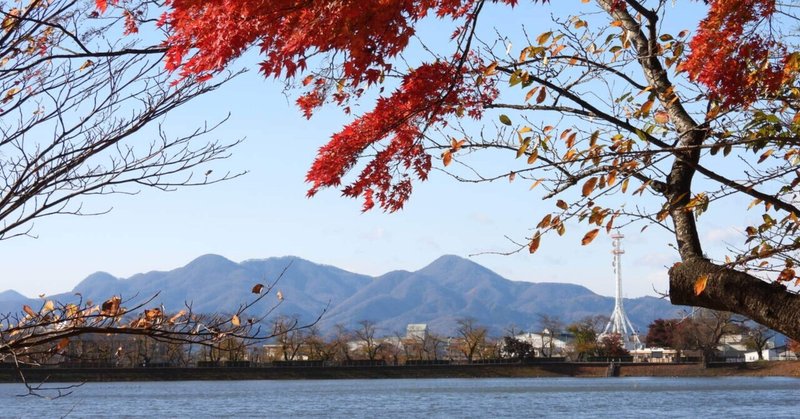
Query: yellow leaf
[[523, 147], [588, 187], [700, 284], [534, 243], [590, 236], [235, 320], [535, 184], [49, 306], [541, 39], [625, 185]]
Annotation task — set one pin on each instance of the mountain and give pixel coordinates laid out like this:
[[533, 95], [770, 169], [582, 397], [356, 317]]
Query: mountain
[[448, 289]]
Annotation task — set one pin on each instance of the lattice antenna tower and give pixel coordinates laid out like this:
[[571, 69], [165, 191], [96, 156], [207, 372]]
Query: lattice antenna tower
[[619, 322]]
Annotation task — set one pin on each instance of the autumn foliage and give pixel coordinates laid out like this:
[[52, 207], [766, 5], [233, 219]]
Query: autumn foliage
[[735, 54], [603, 100]]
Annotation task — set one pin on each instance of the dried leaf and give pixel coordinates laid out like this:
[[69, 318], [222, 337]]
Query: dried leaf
[[505, 120], [535, 184], [534, 243], [542, 95], [589, 237], [235, 320], [279, 295], [588, 187], [86, 64], [661, 117], [29, 311], [257, 288], [541, 39], [787, 274], [512, 176], [447, 157], [561, 204], [177, 316], [48, 306], [110, 307], [700, 284]]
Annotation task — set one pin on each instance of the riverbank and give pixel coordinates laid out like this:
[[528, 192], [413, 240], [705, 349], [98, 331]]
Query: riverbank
[[564, 369]]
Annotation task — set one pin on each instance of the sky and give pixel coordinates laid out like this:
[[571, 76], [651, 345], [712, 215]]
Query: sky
[[266, 213]]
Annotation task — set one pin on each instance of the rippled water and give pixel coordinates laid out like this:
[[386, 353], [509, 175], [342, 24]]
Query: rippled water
[[744, 397]]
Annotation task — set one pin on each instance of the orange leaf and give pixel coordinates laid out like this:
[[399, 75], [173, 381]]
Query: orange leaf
[[101, 5], [700, 284], [534, 243], [535, 184], [62, 344], [588, 187], [590, 236], [533, 92], [257, 288], [447, 157], [646, 107], [28, 310]]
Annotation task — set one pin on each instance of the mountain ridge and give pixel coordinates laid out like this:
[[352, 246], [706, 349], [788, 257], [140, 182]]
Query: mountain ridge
[[445, 290]]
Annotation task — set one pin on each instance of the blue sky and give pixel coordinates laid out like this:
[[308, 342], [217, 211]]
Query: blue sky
[[266, 213]]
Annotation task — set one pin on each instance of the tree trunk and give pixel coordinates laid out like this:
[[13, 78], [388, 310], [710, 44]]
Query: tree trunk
[[737, 292]]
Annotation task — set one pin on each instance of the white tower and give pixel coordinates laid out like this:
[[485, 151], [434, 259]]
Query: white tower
[[619, 322]]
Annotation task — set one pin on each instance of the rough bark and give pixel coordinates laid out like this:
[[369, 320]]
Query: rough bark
[[737, 292]]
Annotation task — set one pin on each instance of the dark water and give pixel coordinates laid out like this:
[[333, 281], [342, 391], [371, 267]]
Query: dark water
[[739, 397]]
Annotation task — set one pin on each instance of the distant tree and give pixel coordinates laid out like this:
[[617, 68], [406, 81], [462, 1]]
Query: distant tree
[[472, 336], [586, 333], [612, 346], [365, 334], [553, 325], [703, 330], [290, 338], [758, 337], [517, 349], [660, 334]]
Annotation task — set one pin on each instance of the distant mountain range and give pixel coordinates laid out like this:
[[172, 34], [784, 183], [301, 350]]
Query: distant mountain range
[[448, 289]]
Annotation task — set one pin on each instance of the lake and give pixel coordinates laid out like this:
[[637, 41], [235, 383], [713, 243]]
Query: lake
[[742, 397]]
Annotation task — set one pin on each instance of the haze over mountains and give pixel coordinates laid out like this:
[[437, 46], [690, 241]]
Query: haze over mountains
[[439, 294]]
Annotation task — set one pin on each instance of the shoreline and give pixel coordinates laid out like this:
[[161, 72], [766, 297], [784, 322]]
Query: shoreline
[[563, 369]]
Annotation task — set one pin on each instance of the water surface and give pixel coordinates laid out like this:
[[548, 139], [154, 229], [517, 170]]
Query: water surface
[[734, 397]]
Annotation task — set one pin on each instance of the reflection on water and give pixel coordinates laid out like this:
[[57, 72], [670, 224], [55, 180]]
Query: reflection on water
[[744, 397]]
